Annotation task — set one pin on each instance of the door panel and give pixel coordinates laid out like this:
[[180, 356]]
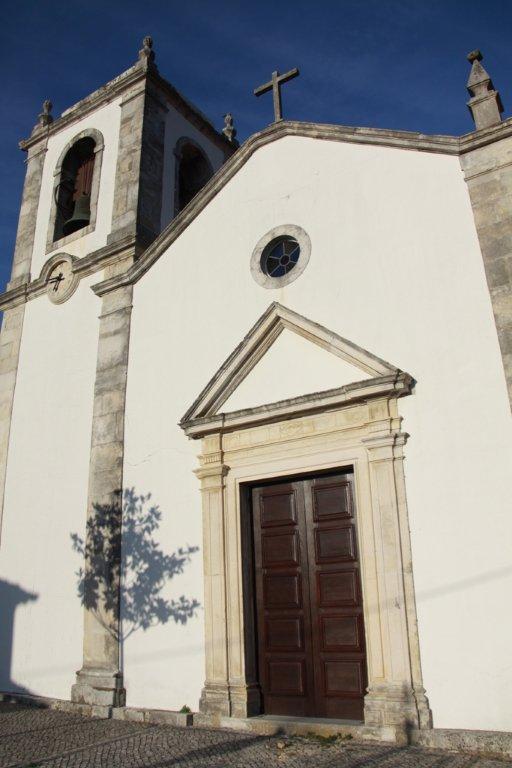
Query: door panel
[[282, 599], [311, 644]]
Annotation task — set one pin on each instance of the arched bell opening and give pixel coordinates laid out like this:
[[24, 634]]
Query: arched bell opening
[[73, 191], [193, 171]]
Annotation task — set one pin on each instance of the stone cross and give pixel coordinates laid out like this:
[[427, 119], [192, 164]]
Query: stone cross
[[275, 86]]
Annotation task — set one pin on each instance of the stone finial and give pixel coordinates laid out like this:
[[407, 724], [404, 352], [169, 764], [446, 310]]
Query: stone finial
[[45, 117], [475, 55], [229, 129], [485, 105], [146, 53]]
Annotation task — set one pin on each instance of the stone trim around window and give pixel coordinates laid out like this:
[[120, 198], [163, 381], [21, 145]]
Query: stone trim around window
[[93, 133], [292, 230]]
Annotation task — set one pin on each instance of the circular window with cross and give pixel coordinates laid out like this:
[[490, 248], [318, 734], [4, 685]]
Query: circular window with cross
[[280, 256]]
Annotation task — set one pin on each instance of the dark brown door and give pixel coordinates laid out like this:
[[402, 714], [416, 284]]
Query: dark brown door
[[311, 645]]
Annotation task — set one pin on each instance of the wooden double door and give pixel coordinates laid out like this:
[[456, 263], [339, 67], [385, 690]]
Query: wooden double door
[[309, 613]]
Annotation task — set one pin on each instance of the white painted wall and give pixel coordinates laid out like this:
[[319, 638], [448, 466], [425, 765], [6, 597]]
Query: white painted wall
[[46, 490], [177, 127], [396, 268], [293, 366], [107, 121]]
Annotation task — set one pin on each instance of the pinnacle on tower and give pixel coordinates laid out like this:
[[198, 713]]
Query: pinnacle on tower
[[485, 105], [146, 53]]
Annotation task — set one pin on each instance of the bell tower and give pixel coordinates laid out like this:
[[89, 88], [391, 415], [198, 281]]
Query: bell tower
[[108, 170], [102, 182]]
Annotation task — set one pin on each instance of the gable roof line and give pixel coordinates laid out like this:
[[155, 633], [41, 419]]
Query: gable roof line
[[448, 145], [258, 341], [373, 136]]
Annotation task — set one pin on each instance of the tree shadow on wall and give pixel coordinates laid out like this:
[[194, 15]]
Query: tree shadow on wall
[[122, 557]]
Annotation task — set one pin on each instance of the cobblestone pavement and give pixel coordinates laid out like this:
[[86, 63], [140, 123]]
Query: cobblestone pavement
[[38, 737]]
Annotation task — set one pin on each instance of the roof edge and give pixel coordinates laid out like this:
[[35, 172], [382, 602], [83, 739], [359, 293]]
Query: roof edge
[[373, 136], [117, 87]]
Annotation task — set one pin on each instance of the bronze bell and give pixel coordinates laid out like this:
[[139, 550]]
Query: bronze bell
[[81, 215]]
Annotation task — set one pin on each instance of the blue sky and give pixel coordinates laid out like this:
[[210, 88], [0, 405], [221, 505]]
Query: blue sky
[[381, 63]]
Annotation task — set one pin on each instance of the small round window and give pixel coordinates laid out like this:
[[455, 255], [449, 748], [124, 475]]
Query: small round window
[[280, 256]]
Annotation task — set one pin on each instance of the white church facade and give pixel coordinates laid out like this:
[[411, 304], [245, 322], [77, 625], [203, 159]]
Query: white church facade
[[255, 434]]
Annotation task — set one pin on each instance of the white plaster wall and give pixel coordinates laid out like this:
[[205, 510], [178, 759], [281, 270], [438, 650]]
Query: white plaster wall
[[293, 366], [177, 127], [396, 268], [107, 121], [46, 491]]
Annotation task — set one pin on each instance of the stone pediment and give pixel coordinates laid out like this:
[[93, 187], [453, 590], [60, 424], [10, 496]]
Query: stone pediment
[[368, 377]]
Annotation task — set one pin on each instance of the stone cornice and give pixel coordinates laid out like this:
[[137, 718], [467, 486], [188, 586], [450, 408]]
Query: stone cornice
[[257, 342], [95, 261], [451, 145], [204, 416], [138, 74], [476, 139], [109, 254], [379, 387], [376, 137]]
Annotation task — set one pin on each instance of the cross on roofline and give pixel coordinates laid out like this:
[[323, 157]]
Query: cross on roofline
[[275, 86]]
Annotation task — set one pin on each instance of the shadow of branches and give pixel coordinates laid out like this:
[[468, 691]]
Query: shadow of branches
[[121, 555]]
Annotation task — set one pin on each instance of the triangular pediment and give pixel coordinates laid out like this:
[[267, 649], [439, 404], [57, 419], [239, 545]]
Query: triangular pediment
[[291, 367], [359, 371]]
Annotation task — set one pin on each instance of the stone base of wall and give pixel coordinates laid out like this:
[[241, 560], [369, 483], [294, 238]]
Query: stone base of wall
[[485, 743], [133, 714]]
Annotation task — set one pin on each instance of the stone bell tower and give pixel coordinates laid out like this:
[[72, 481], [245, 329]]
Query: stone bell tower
[[102, 181]]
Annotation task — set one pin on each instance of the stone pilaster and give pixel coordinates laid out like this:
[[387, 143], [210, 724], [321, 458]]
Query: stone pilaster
[[488, 173], [140, 163], [227, 691], [215, 697], [28, 213], [12, 325], [397, 698], [10, 342], [100, 681]]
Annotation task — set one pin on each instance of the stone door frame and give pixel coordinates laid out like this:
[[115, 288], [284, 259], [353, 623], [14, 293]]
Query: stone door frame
[[366, 436]]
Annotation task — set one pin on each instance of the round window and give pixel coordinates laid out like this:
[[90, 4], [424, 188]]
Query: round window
[[280, 256]]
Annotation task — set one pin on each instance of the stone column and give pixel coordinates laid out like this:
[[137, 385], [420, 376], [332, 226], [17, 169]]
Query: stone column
[[215, 697], [28, 213], [140, 163], [397, 698], [100, 681], [12, 325]]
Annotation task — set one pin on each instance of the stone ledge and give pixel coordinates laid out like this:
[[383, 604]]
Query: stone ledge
[[128, 714], [61, 705], [274, 725], [485, 743], [153, 716]]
